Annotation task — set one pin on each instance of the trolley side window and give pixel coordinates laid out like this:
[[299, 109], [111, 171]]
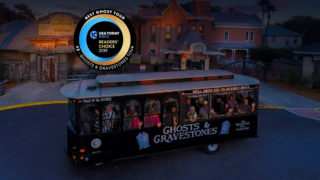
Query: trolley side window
[[89, 119], [232, 103], [132, 115], [72, 114], [171, 112], [152, 109], [110, 117], [196, 107]]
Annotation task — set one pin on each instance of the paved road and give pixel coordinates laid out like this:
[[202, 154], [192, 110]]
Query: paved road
[[32, 140]]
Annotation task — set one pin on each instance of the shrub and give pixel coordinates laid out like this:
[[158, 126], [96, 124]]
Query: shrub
[[295, 79], [2, 70], [316, 81]]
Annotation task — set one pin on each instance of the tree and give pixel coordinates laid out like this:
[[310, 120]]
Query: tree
[[159, 4], [269, 10], [263, 5], [306, 25], [137, 23], [21, 12], [24, 11], [265, 55]]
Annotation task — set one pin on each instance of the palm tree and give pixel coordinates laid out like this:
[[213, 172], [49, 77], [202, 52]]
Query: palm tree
[[269, 10], [137, 23], [263, 4]]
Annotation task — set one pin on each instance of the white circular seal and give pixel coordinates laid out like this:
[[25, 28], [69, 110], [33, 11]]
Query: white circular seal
[[96, 143]]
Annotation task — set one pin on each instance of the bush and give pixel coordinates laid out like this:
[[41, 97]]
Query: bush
[[316, 81], [2, 70], [295, 79]]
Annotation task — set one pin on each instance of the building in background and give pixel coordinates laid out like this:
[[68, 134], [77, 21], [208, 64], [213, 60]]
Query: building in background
[[279, 37], [40, 50], [310, 56], [230, 34]]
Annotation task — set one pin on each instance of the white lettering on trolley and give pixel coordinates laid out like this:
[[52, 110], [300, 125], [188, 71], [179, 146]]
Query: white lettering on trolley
[[181, 132]]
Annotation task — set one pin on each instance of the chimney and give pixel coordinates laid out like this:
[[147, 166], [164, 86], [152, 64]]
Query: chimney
[[202, 7]]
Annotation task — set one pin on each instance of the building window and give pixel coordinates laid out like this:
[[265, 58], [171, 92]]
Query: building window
[[201, 31], [226, 35], [153, 33], [194, 27], [168, 33], [179, 31], [152, 113], [252, 36], [247, 36]]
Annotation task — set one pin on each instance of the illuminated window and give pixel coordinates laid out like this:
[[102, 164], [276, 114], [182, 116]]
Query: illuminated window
[[153, 33], [179, 31], [168, 33], [201, 31]]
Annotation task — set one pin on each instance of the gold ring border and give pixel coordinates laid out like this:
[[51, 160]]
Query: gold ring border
[[125, 46]]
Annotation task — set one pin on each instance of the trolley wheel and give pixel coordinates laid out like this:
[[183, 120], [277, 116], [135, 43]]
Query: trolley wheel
[[211, 148]]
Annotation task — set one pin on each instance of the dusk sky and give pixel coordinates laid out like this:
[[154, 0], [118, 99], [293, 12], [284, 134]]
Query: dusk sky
[[286, 8]]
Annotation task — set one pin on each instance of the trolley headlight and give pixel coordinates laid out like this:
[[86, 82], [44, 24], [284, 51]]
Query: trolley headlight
[[96, 143]]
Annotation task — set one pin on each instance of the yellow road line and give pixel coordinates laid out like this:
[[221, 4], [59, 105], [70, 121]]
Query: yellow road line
[[32, 104], [317, 109], [270, 107]]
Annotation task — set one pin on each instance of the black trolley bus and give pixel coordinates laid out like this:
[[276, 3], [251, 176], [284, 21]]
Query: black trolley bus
[[126, 115]]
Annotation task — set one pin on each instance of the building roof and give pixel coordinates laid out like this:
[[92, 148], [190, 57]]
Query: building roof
[[187, 38], [232, 45], [236, 18], [274, 30], [14, 35], [81, 89], [309, 49]]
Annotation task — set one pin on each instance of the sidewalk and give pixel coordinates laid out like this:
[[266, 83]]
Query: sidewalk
[[30, 92], [275, 96]]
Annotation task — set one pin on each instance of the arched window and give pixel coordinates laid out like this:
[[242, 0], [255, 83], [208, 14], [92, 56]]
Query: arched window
[[132, 113], [110, 117], [89, 119], [171, 112], [152, 109]]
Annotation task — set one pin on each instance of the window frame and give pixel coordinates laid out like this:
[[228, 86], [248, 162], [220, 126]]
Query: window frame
[[251, 36], [153, 34], [226, 35]]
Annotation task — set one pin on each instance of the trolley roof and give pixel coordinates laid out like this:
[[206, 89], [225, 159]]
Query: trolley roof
[[92, 88]]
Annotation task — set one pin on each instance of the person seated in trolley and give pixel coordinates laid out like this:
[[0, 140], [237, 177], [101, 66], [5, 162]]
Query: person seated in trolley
[[245, 107], [151, 118], [227, 109], [90, 121], [218, 106], [109, 116], [192, 114], [129, 117], [136, 122], [204, 111], [171, 117]]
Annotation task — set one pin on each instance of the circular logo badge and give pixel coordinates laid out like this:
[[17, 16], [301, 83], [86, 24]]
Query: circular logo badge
[[104, 39]]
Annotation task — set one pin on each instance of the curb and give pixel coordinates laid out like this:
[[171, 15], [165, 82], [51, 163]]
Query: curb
[[65, 102]]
